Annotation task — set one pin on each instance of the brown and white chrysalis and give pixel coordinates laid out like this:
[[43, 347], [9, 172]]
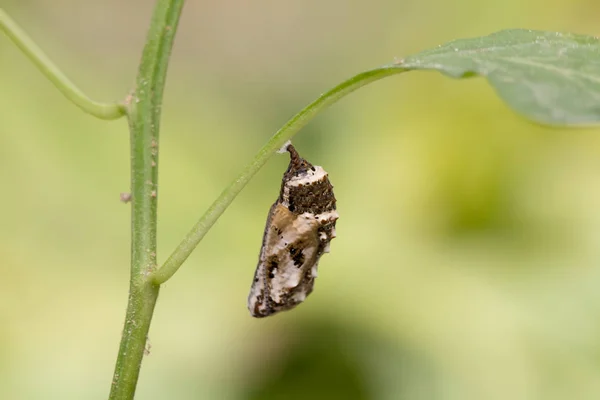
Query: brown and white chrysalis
[[299, 228]]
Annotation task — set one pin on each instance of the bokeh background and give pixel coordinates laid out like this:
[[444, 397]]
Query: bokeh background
[[467, 263]]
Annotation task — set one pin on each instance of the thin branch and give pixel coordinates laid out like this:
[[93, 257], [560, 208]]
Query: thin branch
[[55, 75], [195, 235], [144, 120]]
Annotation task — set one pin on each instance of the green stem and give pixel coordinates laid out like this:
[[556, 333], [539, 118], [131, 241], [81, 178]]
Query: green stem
[[55, 75], [144, 120], [195, 235]]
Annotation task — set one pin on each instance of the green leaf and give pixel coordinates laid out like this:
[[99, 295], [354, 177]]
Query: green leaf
[[551, 78]]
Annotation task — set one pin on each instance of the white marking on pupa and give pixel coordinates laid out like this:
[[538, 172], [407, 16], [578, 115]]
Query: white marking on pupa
[[284, 148], [299, 229]]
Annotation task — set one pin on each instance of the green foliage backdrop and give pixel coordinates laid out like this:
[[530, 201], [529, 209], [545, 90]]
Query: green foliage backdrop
[[466, 264]]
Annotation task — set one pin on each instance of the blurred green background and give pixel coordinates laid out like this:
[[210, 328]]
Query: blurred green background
[[467, 263]]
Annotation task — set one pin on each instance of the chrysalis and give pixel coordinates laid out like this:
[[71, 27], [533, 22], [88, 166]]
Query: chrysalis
[[299, 228]]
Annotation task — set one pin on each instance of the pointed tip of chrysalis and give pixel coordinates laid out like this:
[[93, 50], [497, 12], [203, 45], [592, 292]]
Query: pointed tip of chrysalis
[[298, 165], [294, 156]]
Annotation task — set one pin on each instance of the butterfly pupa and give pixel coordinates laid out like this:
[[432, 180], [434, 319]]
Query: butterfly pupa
[[300, 226]]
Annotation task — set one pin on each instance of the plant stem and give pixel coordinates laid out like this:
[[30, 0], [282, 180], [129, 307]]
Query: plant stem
[[144, 120], [55, 75], [195, 235]]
